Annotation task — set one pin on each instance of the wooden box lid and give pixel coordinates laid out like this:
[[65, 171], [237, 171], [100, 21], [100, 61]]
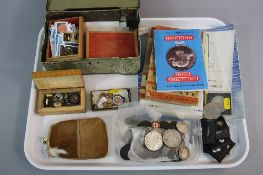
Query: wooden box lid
[[58, 79], [62, 5]]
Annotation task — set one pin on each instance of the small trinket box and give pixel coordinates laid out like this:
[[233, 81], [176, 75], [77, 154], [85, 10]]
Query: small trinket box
[[109, 99], [60, 92]]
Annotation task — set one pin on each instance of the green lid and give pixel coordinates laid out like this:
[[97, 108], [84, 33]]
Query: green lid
[[61, 5]]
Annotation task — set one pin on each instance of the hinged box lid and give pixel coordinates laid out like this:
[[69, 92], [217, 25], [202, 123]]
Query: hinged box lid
[[58, 79], [62, 5]]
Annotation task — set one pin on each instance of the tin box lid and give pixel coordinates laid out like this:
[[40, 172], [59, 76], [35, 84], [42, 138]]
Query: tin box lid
[[61, 5], [58, 79]]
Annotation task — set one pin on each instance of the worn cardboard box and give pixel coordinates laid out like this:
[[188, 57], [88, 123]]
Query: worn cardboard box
[[100, 10], [57, 82]]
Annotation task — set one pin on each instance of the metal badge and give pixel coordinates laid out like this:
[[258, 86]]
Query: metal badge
[[184, 153], [182, 127], [153, 140], [172, 138]]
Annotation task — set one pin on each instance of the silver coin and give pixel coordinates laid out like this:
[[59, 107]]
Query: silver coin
[[172, 138], [184, 153], [219, 100], [153, 140], [212, 111], [182, 127]]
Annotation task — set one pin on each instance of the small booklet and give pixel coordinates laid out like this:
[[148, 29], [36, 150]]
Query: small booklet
[[179, 60]]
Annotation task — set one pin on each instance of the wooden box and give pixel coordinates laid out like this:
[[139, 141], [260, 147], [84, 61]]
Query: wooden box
[[60, 81], [78, 21], [94, 11], [111, 44]]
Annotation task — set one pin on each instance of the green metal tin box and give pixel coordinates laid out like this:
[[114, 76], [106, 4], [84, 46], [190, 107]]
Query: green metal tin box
[[91, 11]]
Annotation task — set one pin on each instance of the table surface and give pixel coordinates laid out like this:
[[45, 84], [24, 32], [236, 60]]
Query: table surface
[[20, 23]]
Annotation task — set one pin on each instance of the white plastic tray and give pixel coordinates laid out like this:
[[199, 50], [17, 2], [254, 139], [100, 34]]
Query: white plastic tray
[[37, 126]]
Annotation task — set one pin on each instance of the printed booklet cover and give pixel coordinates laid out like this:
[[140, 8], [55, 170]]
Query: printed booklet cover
[[179, 60]]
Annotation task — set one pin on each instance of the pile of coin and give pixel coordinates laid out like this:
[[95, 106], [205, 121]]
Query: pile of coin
[[109, 99], [159, 140], [56, 100], [168, 136]]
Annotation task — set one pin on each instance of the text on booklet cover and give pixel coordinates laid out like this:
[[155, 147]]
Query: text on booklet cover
[[179, 60]]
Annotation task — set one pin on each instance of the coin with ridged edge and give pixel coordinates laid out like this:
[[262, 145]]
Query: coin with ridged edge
[[184, 153], [172, 138], [153, 140]]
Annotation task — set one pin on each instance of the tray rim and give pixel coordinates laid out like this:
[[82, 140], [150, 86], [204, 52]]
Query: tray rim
[[124, 166]]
